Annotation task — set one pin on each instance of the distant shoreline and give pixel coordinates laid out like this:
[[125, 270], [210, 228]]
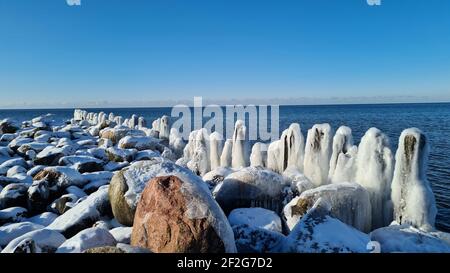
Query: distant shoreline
[[222, 105]]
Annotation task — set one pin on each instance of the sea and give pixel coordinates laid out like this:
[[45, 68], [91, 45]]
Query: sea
[[432, 118]]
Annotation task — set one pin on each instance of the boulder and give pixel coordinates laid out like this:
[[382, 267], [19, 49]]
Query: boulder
[[84, 214], [180, 216], [127, 185], [12, 215], [11, 231], [14, 195], [318, 232], [8, 126], [120, 155], [86, 239], [82, 163], [255, 217], [250, 187], [43, 219], [50, 155], [122, 234], [36, 241], [349, 203], [139, 143], [406, 238], [252, 239]]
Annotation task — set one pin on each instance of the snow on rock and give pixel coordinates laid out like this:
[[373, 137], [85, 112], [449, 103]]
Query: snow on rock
[[251, 239], [406, 238], [374, 168], [258, 156], [146, 155], [36, 241], [43, 219], [62, 176], [216, 176], [12, 231], [297, 180], [120, 155], [250, 187], [180, 208], [139, 143], [413, 199], [349, 202], [255, 217], [84, 214], [14, 195], [50, 155], [318, 232], [5, 166], [121, 234], [86, 239], [82, 163], [239, 152], [127, 185], [318, 153], [12, 215]]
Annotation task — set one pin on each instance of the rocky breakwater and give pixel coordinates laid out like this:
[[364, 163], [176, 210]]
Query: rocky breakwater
[[102, 183]]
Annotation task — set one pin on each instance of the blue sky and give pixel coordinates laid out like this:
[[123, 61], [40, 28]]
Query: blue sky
[[137, 52]]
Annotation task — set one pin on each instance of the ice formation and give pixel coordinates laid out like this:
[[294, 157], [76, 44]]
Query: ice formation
[[216, 146], [317, 154], [342, 144], [239, 152], [258, 157], [413, 199], [225, 157], [374, 172]]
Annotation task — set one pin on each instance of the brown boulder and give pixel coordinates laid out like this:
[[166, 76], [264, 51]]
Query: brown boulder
[[163, 223]]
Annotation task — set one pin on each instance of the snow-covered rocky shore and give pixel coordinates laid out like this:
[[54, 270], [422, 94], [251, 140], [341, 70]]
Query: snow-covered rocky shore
[[101, 183]]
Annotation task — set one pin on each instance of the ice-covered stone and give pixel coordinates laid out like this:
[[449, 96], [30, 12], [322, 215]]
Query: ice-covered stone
[[318, 153], [250, 187], [374, 168], [413, 199], [255, 217], [349, 202], [36, 241]]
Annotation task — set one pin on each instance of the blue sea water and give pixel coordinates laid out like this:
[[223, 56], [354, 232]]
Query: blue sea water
[[431, 118]]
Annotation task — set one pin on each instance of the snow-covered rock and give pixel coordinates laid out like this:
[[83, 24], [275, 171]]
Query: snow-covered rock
[[318, 232], [43, 219], [250, 187], [82, 163], [12, 215], [139, 143], [121, 234], [255, 217], [12, 231], [349, 202], [86, 239], [251, 239], [127, 185], [84, 214], [36, 241], [120, 155], [406, 238]]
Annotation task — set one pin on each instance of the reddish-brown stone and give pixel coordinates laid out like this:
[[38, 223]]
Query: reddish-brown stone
[[161, 225]]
